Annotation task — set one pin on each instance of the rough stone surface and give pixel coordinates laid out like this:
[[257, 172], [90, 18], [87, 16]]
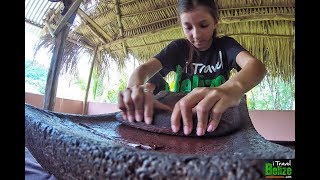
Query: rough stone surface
[[99, 147]]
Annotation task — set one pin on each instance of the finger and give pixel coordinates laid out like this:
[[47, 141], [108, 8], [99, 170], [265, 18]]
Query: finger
[[191, 99], [203, 109], [214, 122], [186, 105], [148, 108], [216, 114], [129, 104], [186, 113], [137, 96], [122, 106], [203, 116], [176, 118]]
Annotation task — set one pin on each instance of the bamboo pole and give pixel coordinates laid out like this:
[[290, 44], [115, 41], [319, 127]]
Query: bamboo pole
[[270, 36], [151, 11], [80, 44], [95, 27], [120, 26], [139, 36], [85, 104]]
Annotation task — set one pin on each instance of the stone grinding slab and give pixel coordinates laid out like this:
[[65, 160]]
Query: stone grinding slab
[[100, 147]]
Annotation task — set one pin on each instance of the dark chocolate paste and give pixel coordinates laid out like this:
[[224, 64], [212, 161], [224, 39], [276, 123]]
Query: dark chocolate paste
[[100, 147], [231, 119]]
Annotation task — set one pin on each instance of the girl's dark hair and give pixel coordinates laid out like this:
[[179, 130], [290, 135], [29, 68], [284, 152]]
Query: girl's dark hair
[[189, 5]]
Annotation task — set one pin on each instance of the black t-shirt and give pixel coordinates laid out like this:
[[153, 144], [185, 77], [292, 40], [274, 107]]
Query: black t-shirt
[[209, 68]]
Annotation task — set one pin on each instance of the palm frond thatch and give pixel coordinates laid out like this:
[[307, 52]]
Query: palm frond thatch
[[142, 28]]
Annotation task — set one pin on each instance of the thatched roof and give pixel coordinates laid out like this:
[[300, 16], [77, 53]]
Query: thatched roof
[[143, 27]]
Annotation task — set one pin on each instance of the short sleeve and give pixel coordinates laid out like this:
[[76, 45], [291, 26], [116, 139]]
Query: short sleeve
[[232, 48], [159, 82], [173, 54]]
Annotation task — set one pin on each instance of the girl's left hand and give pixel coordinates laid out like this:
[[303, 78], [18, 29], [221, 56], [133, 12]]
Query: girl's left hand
[[208, 103]]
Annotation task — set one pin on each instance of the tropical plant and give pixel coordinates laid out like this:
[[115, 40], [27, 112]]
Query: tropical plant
[[112, 94], [36, 75], [272, 94]]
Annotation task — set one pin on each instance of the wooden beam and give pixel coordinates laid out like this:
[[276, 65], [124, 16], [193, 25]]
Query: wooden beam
[[269, 36], [254, 7], [176, 26], [55, 13], [49, 29], [95, 32], [127, 2], [85, 103], [55, 66], [33, 23], [232, 35], [150, 11], [95, 25], [73, 8], [80, 44], [258, 17], [118, 13], [152, 23]]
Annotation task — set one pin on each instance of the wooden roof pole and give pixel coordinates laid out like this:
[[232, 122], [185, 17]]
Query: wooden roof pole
[[95, 27], [118, 13], [66, 18], [139, 35], [79, 43], [85, 103], [54, 70]]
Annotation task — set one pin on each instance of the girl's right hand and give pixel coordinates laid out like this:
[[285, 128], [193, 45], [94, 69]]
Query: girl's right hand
[[137, 103]]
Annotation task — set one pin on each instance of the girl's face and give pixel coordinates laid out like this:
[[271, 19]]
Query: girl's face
[[198, 25]]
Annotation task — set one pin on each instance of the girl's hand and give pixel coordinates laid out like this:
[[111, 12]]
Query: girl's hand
[[137, 103], [208, 103]]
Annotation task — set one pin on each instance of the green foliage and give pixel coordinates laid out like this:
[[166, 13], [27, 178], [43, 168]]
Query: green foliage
[[97, 85], [272, 95], [112, 95], [81, 83], [268, 95], [94, 88], [122, 84], [36, 75]]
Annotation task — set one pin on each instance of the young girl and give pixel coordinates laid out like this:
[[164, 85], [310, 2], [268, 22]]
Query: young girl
[[202, 63]]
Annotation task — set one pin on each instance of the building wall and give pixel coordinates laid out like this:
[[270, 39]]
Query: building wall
[[273, 125], [61, 105]]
